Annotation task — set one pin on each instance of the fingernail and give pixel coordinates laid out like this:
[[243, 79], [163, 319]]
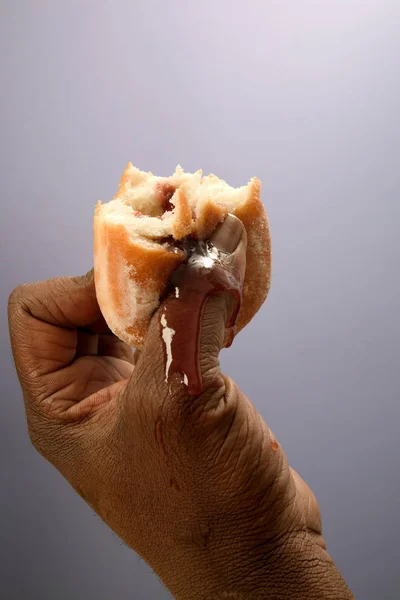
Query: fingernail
[[228, 234]]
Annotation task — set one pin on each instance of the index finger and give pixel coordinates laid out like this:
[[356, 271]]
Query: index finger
[[43, 318]]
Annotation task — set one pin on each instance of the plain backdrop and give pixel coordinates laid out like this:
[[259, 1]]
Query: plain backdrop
[[305, 95]]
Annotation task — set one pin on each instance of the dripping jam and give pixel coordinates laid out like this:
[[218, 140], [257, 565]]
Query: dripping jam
[[203, 274]]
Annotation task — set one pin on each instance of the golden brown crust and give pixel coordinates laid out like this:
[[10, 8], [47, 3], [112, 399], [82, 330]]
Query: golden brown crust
[[132, 276], [149, 270], [258, 257]]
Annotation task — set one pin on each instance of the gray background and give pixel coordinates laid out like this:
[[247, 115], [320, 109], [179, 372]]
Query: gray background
[[306, 96]]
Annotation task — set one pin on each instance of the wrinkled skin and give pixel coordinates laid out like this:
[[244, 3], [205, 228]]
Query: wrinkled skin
[[199, 487]]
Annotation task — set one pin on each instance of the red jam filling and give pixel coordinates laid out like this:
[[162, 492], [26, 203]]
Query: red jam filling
[[165, 191]]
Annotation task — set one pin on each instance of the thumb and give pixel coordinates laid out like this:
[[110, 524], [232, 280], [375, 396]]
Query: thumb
[[196, 320]]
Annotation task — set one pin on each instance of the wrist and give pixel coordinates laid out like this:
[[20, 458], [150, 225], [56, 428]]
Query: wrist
[[298, 570]]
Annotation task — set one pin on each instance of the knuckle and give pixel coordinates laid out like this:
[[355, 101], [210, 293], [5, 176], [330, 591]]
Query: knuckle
[[78, 281], [20, 299], [15, 298]]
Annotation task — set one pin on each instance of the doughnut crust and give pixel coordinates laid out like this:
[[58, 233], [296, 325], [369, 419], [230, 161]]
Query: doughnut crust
[[137, 235]]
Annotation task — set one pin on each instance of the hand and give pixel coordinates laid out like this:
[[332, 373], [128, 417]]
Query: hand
[[198, 486]]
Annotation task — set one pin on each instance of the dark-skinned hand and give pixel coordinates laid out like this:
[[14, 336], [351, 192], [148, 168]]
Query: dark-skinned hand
[[197, 486]]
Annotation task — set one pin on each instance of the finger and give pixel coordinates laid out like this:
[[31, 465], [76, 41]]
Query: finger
[[110, 345], [87, 344], [68, 302], [180, 355], [136, 355], [106, 344], [85, 377], [43, 318]]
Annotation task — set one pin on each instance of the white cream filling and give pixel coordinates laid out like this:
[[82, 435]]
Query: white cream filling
[[167, 335]]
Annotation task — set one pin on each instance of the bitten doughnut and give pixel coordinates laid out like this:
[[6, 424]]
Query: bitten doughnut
[[138, 242]]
